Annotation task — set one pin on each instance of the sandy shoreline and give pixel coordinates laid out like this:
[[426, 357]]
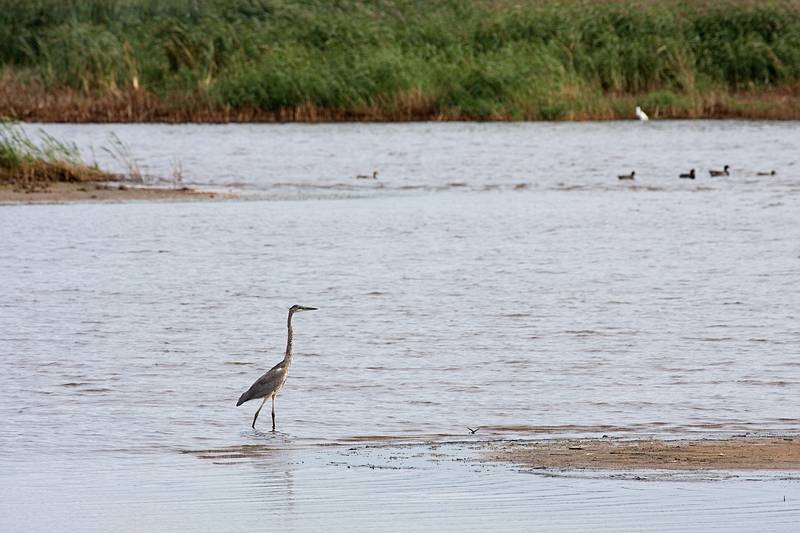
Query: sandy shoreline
[[745, 453], [70, 192], [774, 453]]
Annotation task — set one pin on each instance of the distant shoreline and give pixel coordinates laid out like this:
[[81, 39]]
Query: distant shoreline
[[396, 61], [31, 104]]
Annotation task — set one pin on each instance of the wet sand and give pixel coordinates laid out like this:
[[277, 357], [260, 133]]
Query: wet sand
[[608, 454], [67, 192], [746, 453]]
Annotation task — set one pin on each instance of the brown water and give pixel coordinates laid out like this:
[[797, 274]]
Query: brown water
[[496, 275]]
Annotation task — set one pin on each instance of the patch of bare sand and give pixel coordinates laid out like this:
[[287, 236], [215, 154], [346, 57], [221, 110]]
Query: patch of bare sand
[[747, 453], [67, 192]]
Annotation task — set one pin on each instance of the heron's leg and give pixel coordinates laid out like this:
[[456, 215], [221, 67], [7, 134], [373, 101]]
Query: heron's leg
[[273, 412], [258, 411]]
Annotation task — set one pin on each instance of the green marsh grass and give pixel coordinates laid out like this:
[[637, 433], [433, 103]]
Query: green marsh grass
[[397, 59], [30, 164]]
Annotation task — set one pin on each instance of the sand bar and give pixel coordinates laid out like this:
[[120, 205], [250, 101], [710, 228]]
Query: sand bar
[[746, 453], [66, 192]]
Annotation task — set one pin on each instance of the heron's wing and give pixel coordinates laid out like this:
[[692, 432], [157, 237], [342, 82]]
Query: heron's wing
[[265, 385]]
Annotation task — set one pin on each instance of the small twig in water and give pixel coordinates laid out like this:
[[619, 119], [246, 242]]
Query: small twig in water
[[177, 174]]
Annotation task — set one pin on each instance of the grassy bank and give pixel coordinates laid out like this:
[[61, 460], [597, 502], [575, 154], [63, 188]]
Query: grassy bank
[[46, 170], [262, 60], [32, 165]]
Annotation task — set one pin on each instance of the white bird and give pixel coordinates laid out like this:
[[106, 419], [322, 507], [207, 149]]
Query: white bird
[[641, 114]]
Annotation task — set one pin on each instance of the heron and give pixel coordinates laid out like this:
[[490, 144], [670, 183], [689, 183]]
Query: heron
[[627, 176], [689, 176], [268, 385], [364, 177], [718, 173], [641, 114]]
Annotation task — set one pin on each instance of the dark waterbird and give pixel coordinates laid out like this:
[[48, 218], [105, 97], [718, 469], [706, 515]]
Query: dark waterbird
[[770, 173], [365, 177], [689, 176], [627, 176], [268, 385], [718, 173]]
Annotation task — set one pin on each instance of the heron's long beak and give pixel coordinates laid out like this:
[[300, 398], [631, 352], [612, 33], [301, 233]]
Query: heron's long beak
[[308, 308]]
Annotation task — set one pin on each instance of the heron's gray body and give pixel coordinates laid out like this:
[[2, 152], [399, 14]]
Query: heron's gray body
[[268, 385]]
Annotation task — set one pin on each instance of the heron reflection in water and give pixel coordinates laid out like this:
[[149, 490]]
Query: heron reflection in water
[[268, 385]]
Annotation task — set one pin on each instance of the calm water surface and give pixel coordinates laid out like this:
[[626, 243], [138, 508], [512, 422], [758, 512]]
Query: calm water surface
[[496, 275]]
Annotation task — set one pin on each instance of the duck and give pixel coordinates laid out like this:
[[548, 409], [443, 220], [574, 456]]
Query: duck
[[770, 173], [627, 176], [717, 173], [641, 114], [364, 177], [689, 176]]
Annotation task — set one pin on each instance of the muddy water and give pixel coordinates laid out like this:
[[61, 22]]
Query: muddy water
[[495, 275]]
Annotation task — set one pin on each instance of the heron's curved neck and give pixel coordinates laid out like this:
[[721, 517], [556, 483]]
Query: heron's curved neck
[[288, 357]]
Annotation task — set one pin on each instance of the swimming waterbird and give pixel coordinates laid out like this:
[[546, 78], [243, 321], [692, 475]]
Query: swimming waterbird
[[718, 173]]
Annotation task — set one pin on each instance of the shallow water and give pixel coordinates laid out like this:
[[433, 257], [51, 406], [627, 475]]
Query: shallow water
[[449, 296], [303, 161]]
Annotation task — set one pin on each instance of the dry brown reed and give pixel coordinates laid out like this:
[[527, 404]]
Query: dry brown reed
[[30, 102]]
